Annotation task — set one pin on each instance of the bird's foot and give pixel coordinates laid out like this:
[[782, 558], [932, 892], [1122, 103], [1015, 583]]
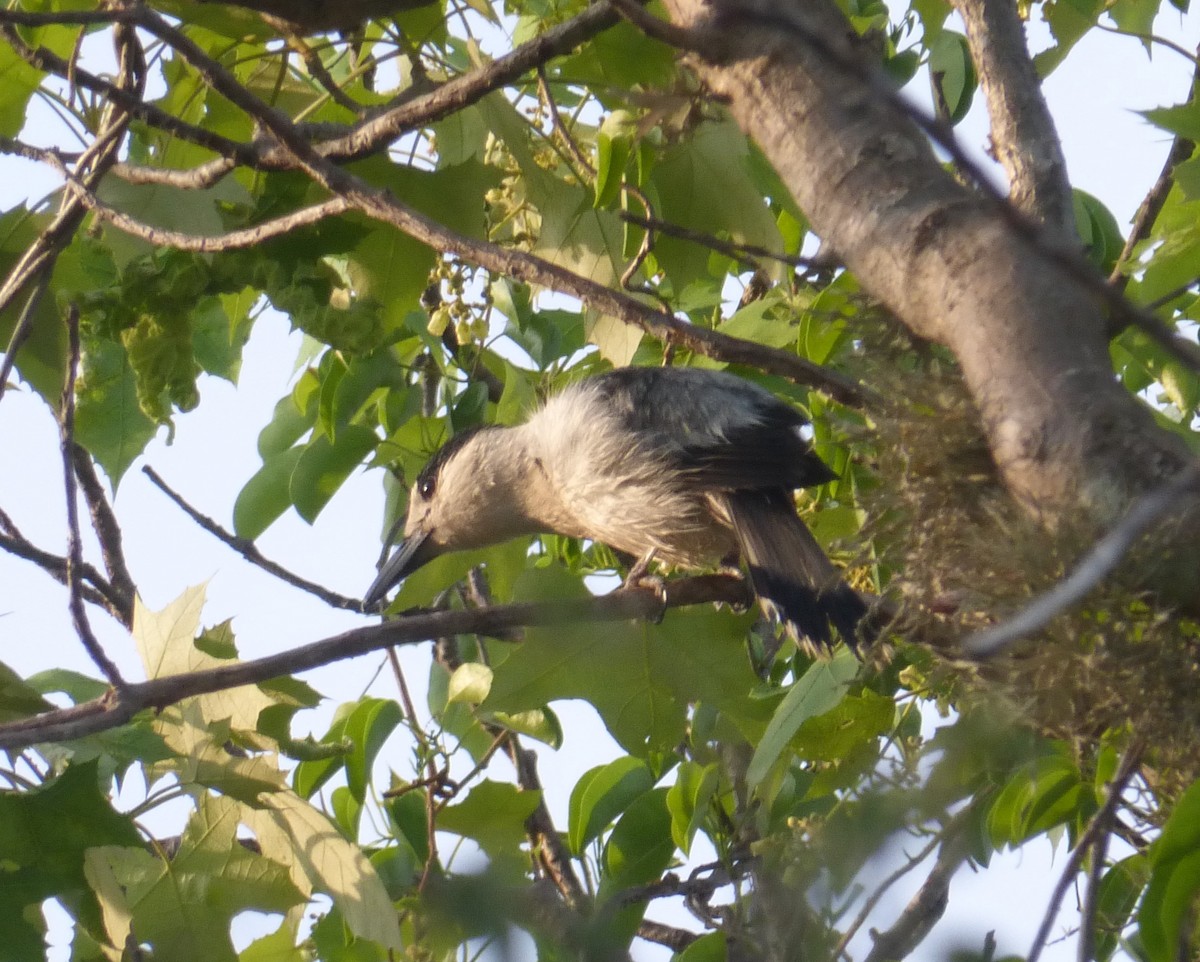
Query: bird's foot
[[639, 571], [639, 577]]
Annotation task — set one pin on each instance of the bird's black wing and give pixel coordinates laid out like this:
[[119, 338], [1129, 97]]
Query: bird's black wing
[[723, 432]]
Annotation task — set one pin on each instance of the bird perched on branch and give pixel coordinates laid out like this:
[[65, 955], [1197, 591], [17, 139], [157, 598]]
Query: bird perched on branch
[[689, 467]]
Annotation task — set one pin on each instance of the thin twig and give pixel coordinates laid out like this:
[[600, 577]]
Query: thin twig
[[74, 543], [381, 205], [40, 277], [1103, 558], [1150, 207], [925, 908], [433, 778], [195, 178], [883, 887], [108, 712], [37, 262], [1100, 823], [1153, 38], [736, 251], [96, 591], [247, 549], [108, 532], [202, 244], [710, 41]]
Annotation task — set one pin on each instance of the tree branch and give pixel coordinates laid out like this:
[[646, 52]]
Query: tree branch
[[468, 89], [248, 550], [74, 544], [1023, 133], [204, 244], [926, 908], [381, 205], [1148, 211], [117, 707], [1100, 561], [36, 264], [108, 532], [97, 591], [1100, 823]]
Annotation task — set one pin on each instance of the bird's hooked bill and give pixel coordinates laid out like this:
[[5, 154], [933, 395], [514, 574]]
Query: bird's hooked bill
[[404, 561]]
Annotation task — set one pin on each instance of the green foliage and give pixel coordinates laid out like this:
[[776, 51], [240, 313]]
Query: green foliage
[[775, 769]]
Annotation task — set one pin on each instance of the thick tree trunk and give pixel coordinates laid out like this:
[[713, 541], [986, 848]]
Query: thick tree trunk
[[1070, 442]]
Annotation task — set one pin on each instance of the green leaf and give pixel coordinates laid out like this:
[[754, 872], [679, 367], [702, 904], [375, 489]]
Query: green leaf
[[322, 858], [470, 683], [311, 775], [854, 723], [1098, 230], [1182, 119], [601, 795], [688, 801], [184, 906], [45, 835], [952, 72], [640, 846], [368, 726], [1069, 21], [707, 948], [705, 184], [109, 421], [20, 698], [1174, 880], [324, 465], [539, 723], [493, 814], [18, 82], [639, 677], [168, 645], [266, 495], [820, 689], [1116, 899], [612, 154]]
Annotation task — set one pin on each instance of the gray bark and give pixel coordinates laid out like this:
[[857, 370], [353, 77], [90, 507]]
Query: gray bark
[[1069, 441], [1023, 134]]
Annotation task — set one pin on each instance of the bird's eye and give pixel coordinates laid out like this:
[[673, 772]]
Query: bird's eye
[[425, 487]]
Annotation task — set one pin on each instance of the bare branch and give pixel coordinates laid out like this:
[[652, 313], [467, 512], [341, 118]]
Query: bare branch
[[74, 544], [96, 591], [196, 178], [381, 205], [1023, 133], [463, 91], [1096, 565], [37, 262], [108, 532], [1148, 38], [924, 910], [873, 899], [119, 706], [247, 549], [1148, 211], [739, 252], [1100, 823], [197, 243]]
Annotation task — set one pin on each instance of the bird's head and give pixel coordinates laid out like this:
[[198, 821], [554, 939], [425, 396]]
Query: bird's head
[[469, 495]]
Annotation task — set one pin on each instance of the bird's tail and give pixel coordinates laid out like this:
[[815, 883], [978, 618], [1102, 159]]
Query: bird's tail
[[793, 577]]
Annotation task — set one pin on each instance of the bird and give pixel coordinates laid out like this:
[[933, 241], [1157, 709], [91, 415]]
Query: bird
[[689, 467]]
